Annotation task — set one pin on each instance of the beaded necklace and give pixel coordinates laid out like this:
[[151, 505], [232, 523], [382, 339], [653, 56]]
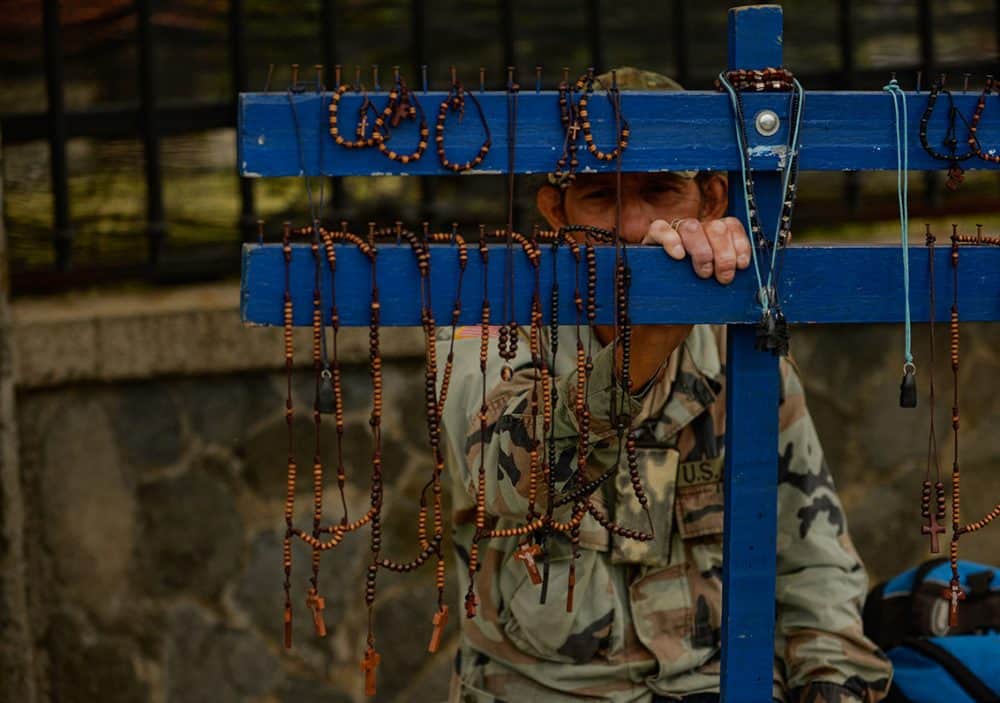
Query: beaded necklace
[[772, 330], [434, 427], [977, 114], [950, 141], [314, 539], [565, 171], [402, 104], [935, 516], [954, 593], [361, 141], [455, 102], [507, 338]]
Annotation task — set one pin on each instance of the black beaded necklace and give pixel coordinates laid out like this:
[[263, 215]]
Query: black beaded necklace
[[955, 172]]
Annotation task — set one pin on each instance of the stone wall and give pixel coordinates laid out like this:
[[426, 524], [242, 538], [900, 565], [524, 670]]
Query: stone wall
[[152, 466]]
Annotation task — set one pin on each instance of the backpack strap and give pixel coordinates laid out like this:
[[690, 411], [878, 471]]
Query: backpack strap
[[924, 569], [965, 678]]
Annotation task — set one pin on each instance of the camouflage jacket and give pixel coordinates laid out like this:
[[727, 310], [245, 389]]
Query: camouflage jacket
[[646, 616]]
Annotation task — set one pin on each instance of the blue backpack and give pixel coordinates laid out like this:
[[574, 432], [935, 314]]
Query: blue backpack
[[907, 617]]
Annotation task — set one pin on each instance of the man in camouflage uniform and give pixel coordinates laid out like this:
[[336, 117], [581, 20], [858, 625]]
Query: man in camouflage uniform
[[646, 617]]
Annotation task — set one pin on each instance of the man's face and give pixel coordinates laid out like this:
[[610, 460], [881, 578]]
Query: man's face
[[645, 197]]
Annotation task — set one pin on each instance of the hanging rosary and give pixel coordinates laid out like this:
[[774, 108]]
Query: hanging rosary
[[950, 141], [455, 102], [934, 515], [988, 89], [954, 592], [772, 330], [574, 115]]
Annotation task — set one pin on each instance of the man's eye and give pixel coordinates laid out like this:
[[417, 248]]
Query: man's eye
[[597, 194], [658, 188]]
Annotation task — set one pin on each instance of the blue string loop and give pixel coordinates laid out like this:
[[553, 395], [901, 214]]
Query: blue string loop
[[902, 195]]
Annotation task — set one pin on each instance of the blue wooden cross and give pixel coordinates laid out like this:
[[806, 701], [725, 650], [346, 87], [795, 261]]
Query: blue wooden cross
[[285, 134]]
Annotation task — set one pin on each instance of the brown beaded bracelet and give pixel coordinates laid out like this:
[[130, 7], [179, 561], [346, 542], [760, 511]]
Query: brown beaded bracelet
[[585, 85], [403, 104], [455, 102], [360, 141]]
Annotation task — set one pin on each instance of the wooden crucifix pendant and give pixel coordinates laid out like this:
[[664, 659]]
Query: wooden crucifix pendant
[[402, 111], [316, 604], [953, 594], [933, 528], [573, 129], [955, 177], [526, 553], [368, 665], [288, 627], [440, 620]]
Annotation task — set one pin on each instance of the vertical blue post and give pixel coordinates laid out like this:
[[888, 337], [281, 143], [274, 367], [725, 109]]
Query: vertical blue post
[[751, 473]]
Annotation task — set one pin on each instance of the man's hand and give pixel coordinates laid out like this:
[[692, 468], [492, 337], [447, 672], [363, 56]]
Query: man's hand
[[716, 247]]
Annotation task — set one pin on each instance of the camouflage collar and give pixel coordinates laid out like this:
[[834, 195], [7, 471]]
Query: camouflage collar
[[693, 386]]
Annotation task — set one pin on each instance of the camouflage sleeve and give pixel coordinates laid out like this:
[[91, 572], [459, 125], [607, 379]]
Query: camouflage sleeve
[[512, 430], [821, 581]]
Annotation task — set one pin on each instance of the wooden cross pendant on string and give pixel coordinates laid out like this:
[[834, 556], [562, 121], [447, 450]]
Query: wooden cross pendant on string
[[440, 620], [316, 603], [526, 554], [953, 594], [933, 528], [368, 665]]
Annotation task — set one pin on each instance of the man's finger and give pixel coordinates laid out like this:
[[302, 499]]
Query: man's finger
[[660, 232], [741, 242], [723, 251], [697, 245]]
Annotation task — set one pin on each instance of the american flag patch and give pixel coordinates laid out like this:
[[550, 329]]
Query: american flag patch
[[474, 332]]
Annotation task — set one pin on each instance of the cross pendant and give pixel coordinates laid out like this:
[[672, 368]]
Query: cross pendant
[[440, 620], [470, 604], [401, 112], [933, 528], [368, 665], [316, 604], [955, 177], [953, 594], [526, 554], [363, 125], [288, 627], [574, 128]]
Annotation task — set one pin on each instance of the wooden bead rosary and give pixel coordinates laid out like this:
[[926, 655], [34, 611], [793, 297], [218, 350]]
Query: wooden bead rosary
[[540, 523], [402, 104], [950, 141], [935, 514], [991, 155], [575, 119], [329, 398], [455, 102], [772, 330]]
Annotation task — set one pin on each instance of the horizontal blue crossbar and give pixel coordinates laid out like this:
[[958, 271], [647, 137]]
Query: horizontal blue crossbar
[[820, 285], [670, 131]]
